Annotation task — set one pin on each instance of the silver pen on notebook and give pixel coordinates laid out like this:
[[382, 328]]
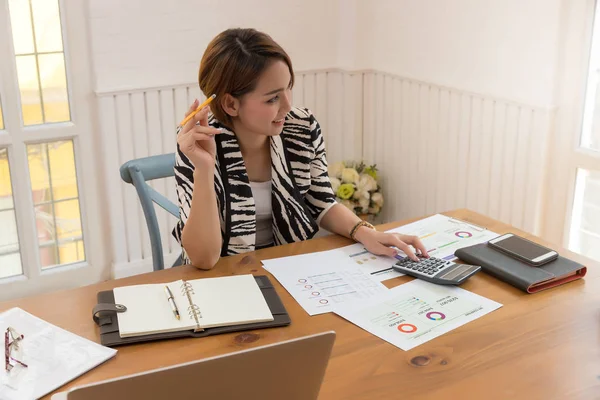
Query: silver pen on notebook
[[171, 301]]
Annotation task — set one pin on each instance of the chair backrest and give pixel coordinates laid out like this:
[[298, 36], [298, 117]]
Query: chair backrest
[[138, 172]]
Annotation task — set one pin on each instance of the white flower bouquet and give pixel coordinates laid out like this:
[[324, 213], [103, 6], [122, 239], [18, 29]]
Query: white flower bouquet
[[356, 187]]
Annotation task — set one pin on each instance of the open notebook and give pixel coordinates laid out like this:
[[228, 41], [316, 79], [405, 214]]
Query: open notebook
[[202, 303]]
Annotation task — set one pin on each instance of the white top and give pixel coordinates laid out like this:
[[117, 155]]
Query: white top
[[261, 191]]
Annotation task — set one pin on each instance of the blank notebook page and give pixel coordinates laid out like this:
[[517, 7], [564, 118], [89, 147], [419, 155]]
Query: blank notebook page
[[148, 310], [229, 300]]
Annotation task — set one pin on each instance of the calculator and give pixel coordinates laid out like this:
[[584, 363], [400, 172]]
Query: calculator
[[436, 270]]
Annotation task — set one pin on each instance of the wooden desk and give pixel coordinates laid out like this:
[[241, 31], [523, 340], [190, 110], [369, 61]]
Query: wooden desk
[[540, 346]]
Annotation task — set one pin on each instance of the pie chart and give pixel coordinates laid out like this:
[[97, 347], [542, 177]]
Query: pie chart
[[435, 316], [407, 328], [463, 234]]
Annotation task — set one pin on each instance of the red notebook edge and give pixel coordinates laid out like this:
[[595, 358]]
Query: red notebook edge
[[537, 287]]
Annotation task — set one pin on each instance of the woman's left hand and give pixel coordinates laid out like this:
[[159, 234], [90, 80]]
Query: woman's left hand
[[379, 243]]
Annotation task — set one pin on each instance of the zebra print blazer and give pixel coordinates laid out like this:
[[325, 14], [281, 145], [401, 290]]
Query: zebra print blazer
[[301, 191]]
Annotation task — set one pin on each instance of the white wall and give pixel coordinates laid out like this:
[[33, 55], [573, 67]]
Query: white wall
[[139, 44], [502, 48], [485, 72]]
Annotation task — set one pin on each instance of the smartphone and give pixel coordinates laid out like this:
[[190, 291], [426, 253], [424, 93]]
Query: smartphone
[[523, 249]]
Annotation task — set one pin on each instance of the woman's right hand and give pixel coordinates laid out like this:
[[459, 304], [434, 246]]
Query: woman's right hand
[[196, 139]]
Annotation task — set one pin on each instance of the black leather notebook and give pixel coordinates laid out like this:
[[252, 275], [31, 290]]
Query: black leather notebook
[[523, 276], [105, 316]]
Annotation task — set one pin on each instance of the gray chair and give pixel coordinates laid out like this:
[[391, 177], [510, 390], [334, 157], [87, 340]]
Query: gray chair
[[138, 172]]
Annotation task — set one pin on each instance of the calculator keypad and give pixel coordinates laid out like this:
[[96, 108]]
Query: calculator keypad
[[426, 266]]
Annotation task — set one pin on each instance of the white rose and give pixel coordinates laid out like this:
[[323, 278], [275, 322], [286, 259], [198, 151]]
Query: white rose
[[335, 184], [361, 194], [349, 175], [366, 182], [374, 210], [377, 198], [335, 170], [364, 204]]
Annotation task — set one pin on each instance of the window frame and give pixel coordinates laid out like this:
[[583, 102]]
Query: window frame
[[82, 130]]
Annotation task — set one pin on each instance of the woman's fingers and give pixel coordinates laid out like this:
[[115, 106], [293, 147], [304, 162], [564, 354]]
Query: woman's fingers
[[405, 248], [206, 130], [201, 136], [190, 124], [394, 239], [416, 243], [381, 250], [193, 107], [201, 118]]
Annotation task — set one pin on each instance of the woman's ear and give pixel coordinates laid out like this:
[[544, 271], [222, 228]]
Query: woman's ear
[[230, 105]]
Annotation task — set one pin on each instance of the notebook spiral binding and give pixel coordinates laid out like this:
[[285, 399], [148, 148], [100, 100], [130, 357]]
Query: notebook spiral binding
[[193, 310]]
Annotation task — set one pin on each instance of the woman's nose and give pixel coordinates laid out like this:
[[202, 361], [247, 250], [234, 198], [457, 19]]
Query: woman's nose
[[287, 103]]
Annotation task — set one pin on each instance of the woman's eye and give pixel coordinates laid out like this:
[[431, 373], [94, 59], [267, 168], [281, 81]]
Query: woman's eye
[[273, 100]]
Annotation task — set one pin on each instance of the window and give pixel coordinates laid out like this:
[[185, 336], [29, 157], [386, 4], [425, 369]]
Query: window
[[1, 118], [10, 258], [584, 235], [56, 202], [51, 232], [585, 226], [40, 61], [42, 82], [590, 133], [42, 129]]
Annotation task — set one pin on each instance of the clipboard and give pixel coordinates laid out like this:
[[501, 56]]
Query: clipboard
[[105, 316]]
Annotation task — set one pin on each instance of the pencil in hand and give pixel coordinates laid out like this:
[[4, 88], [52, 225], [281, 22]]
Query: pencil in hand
[[200, 107]]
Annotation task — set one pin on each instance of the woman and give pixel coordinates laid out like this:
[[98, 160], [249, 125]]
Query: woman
[[254, 173]]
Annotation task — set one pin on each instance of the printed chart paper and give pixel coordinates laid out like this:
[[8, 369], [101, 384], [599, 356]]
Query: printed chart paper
[[416, 312], [318, 289], [442, 235]]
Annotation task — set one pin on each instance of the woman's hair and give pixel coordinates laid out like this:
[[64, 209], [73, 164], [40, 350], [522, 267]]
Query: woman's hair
[[233, 62]]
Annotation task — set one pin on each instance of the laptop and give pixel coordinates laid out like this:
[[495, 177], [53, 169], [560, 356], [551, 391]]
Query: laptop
[[293, 369]]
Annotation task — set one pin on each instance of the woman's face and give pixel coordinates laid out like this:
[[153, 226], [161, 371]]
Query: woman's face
[[263, 110]]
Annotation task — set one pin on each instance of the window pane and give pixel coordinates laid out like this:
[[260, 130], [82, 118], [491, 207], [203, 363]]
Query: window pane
[[69, 253], [590, 134], [593, 141], [585, 222], [62, 165], [55, 196], [46, 20], [10, 259], [39, 172], [590, 137], [40, 61], [31, 104], [1, 118], [22, 32], [6, 198], [49, 255], [9, 241], [44, 221], [54, 87], [68, 222], [80, 250], [10, 265]]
